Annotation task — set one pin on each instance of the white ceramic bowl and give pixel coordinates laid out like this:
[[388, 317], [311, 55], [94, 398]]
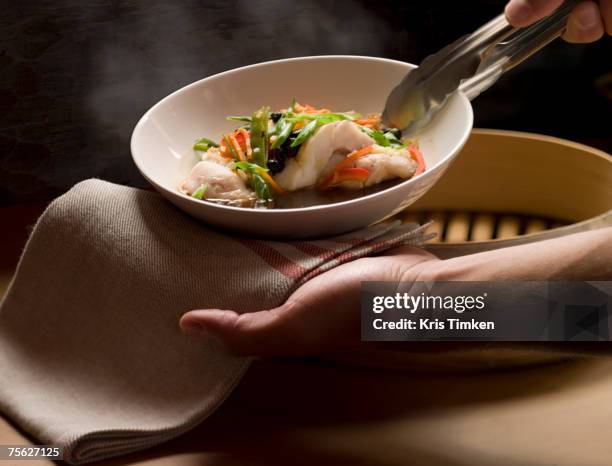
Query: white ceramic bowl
[[163, 138]]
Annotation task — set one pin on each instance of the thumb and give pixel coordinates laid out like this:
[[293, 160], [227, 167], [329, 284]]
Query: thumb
[[265, 333], [521, 13]]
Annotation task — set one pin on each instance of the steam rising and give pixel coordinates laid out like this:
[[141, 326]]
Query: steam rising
[[154, 48]]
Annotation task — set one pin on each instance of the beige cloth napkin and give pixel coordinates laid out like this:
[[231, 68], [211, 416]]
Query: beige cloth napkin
[[91, 356]]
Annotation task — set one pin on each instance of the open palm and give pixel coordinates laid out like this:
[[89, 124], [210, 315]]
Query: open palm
[[322, 313]]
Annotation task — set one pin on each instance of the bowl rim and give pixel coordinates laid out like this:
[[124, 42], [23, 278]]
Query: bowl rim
[[335, 205]]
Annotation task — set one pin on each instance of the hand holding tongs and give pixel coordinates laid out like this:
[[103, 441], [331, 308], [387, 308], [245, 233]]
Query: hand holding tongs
[[471, 64]]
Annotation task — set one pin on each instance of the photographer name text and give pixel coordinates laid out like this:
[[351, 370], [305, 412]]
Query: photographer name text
[[412, 304]]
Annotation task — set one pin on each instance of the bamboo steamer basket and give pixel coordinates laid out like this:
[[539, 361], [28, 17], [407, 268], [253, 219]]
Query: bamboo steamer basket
[[505, 188]]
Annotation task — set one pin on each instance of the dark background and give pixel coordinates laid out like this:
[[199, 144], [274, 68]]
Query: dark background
[[75, 76]]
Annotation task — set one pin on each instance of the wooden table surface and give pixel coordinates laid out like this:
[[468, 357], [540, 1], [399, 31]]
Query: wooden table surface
[[307, 412]]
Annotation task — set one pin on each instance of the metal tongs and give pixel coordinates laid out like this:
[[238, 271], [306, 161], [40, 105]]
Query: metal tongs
[[471, 65]]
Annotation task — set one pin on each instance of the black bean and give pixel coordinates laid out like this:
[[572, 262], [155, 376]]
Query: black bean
[[276, 166], [275, 116], [288, 152]]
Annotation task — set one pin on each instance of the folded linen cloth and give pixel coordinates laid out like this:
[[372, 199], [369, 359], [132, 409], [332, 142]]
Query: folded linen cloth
[[91, 356]]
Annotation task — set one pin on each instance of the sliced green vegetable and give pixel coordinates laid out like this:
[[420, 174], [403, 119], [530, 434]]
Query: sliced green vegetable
[[393, 139], [239, 118], [394, 131], [278, 125], [323, 118], [305, 133], [200, 192], [257, 182], [261, 188], [204, 144], [248, 167], [379, 137], [283, 131], [315, 121], [259, 136], [382, 139]]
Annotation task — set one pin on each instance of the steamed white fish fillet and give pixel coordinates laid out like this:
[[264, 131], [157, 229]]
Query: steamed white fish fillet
[[222, 182], [305, 169], [386, 164], [214, 155]]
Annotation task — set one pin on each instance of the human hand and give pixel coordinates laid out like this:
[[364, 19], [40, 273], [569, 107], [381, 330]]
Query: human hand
[[321, 314], [324, 312], [587, 22]]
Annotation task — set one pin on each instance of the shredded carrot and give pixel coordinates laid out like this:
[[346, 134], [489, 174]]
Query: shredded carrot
[[350, 158], [266, 176], [355, 173], [237, 147], [368, 121], [417, 156], [307, 108], [346, 174], [223, 150], [344, 164], [247, 141], [310, 109]]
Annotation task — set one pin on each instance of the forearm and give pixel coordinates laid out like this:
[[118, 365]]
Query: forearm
[[583, 256]]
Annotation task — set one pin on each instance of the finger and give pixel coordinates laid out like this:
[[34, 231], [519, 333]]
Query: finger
[[521, 13], [264, 333], [584, 24], [605, 7]]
